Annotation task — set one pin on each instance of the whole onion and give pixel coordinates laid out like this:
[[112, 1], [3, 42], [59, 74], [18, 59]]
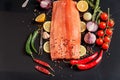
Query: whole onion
[[90, 38]]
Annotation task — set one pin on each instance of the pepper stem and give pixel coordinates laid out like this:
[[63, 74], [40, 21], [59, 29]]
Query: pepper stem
[[32, 56], [51, 69], [52, 74]]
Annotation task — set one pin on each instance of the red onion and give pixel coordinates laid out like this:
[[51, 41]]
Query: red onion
[[90, 38], [45, 4], [92, 26]]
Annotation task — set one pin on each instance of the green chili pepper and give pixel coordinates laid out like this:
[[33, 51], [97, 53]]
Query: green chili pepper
[[35, 34], [27, 46]]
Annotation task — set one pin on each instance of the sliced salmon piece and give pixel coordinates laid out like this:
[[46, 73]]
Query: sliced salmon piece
[[65, 36]]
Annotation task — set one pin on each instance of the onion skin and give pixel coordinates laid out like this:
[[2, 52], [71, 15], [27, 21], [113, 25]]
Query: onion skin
[[90, 38], [92, 26]]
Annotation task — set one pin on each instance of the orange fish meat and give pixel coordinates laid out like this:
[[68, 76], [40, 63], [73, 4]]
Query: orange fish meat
[[65, 33]]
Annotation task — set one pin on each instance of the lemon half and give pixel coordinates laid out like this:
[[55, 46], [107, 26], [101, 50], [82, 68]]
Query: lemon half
[[82, 50], [83, 26]]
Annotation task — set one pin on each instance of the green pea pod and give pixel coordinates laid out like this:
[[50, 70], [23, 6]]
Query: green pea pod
[[27, 46], [35, 34]]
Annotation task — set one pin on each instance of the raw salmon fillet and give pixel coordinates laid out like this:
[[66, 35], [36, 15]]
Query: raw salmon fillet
[[65, 35]]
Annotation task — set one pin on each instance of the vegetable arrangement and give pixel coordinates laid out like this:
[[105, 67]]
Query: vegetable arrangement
[[29, 47], [96, 26]]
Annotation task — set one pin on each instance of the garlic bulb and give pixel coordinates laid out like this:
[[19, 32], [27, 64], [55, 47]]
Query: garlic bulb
[[45, 35], [90, 38]]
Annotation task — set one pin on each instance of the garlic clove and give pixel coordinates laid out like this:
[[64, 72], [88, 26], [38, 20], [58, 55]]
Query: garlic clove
[[45, 35], [90, 38]]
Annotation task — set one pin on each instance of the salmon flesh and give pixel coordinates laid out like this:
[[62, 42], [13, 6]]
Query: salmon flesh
[[65, 35]]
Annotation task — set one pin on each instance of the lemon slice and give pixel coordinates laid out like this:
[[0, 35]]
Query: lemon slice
[[82, 6], [46, 47], [40, 18], [47, 25], [82, 50], [83, 26]]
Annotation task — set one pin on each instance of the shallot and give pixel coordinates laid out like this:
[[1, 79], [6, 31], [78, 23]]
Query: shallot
[[90, 38], [45, 4], [92, 26]]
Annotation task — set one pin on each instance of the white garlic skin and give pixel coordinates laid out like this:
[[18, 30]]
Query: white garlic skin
[[45, 35], [90, 38]]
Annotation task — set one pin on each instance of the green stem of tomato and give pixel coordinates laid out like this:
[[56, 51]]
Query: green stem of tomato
[[108, 26], [108, 16]]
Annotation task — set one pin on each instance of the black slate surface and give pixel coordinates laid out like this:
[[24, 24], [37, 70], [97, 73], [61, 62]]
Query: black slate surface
[[16, 24]]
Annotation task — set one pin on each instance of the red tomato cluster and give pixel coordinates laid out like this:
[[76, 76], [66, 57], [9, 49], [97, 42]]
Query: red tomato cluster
[[105, 31]]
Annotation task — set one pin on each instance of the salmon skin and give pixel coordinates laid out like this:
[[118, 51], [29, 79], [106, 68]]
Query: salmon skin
[[65, 35]]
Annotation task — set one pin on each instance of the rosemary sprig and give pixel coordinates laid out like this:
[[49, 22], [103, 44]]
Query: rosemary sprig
[[95, 9], [97, 18]]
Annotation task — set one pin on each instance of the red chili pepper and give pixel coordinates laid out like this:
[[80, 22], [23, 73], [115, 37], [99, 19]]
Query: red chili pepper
[[91, 64], [43, 63], [44, 70], [85, 60]]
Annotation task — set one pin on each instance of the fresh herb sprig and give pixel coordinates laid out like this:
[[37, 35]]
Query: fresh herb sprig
[[96, 10]]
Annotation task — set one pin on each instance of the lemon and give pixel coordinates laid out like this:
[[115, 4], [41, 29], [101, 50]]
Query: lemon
[[47, 25], [87, 16], [82, 50], [82, 6], [46, 47], [83, 26], [40, 18]]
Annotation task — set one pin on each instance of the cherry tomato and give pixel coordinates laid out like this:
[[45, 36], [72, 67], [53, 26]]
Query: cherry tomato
[[106, 39], [104, 16], [99, 41], [102, 25], [105, 46], [109, 32], [100, 33], [111, 23]]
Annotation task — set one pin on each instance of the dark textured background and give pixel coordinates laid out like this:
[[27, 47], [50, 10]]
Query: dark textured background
[[15, 25]]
